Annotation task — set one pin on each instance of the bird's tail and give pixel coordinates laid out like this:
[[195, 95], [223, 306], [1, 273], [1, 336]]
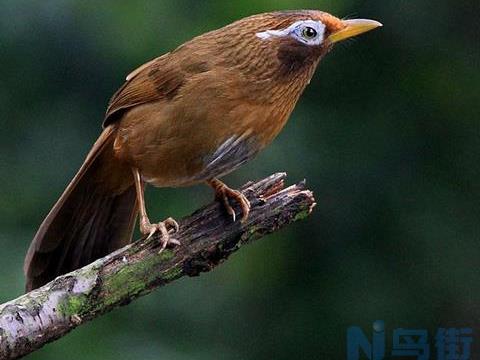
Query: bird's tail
[[95, 215]]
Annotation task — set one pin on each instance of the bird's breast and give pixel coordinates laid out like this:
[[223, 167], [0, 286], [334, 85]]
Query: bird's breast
[[197, 137]]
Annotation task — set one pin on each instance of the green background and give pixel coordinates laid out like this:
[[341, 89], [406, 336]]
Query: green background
[[387, 135]]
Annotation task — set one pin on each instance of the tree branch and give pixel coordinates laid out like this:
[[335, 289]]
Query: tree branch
[[208, 237]]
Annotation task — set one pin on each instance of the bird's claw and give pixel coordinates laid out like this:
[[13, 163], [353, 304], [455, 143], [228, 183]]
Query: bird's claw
[[225, 194], [173, 224], [166, 228]]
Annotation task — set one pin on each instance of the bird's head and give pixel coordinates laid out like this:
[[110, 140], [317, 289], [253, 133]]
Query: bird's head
[[310, 28], [284, 43]]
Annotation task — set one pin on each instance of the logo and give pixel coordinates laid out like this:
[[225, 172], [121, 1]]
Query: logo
[[448, 343]]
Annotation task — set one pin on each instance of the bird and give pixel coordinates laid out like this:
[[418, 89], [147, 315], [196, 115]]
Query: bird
[[186, 117]]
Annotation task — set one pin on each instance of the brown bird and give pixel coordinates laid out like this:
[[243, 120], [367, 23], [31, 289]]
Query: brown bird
[[192, 115]]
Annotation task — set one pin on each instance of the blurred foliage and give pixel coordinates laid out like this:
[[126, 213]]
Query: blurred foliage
[[387, 135]]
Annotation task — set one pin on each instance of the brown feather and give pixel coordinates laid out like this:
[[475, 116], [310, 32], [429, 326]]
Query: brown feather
[[92, 218]]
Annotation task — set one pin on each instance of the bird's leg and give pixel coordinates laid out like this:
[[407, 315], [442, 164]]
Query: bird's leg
[[146, 227], [224, 194]]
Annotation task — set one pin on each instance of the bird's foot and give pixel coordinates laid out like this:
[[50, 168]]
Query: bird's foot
[[225, 194], [166, 228]]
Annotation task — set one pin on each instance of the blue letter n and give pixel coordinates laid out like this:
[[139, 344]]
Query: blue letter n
[[357, 340]]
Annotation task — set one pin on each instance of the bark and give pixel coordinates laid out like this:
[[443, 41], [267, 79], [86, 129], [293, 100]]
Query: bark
[[208, 237]]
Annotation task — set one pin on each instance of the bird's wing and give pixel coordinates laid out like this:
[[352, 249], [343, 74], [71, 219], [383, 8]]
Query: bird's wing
[[161, 78]]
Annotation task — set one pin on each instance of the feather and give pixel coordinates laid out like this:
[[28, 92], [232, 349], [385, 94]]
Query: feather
[[88, 221]]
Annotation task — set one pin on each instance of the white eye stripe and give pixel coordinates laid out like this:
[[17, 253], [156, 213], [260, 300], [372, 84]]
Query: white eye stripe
[[295, 31]]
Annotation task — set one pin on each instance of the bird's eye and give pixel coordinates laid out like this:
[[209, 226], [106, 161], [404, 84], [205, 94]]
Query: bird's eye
[[309, 33]]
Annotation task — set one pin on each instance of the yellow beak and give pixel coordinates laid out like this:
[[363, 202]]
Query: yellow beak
[[353, 28]]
